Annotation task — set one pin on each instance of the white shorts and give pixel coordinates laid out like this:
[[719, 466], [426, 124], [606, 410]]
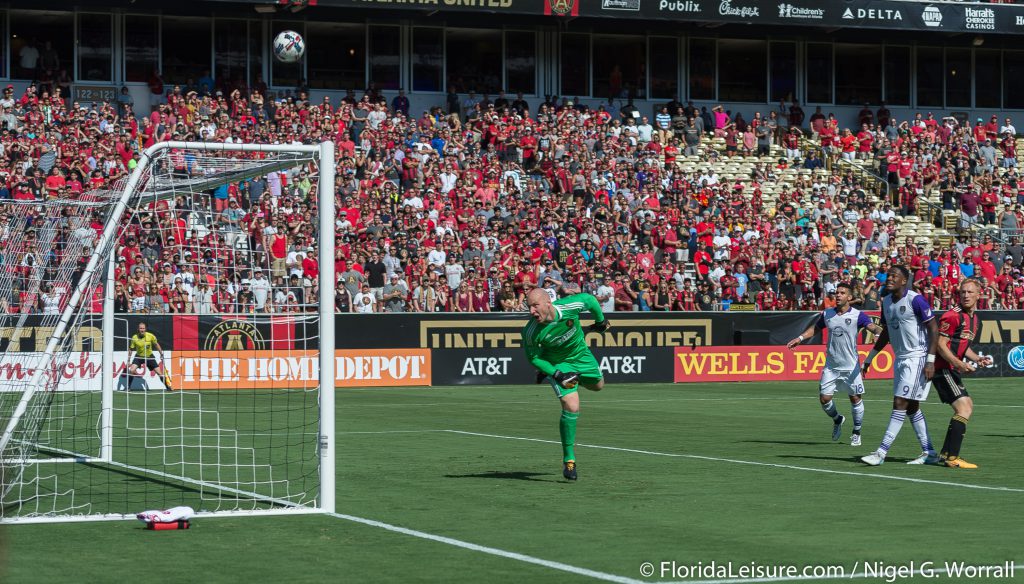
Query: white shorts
[[834, 379], [908, 379]]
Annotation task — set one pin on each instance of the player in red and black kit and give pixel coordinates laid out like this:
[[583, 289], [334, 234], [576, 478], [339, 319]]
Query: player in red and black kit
[[957, 328]]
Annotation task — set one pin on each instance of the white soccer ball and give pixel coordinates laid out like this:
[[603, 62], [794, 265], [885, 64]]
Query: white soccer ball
[[289, 46]]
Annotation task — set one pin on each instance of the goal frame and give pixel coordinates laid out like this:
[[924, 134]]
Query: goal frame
[[325, 153]]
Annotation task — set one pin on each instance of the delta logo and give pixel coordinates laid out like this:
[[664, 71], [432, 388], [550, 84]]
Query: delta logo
[[882, 14]]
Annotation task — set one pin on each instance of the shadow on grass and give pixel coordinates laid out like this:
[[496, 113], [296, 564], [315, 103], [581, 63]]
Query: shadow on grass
[[136, 478], [1004, 435], [507, 475], [789, 442], [133, 476], [854, 458]]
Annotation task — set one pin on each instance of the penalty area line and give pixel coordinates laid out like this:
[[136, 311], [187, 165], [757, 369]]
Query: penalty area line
[[489, 550], [750, 463]]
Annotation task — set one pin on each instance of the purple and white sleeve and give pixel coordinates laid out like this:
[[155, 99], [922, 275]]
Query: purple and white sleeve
[[921, 309], [863, 320]]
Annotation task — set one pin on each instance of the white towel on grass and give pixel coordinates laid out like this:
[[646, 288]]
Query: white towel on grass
[[166, 515]]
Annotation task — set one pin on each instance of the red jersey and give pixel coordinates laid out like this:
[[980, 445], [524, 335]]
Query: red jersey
[[959, 329]]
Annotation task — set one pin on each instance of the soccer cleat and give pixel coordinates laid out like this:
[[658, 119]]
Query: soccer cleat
[[855, 440], [926, 458], [874, 459], [569, 470], [957, 462], [837, 428]]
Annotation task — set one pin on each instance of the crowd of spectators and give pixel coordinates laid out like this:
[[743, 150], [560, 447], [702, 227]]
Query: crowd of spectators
[[467, 206]]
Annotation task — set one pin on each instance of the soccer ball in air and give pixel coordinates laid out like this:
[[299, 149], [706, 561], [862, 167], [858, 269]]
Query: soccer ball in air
[[289, 46]]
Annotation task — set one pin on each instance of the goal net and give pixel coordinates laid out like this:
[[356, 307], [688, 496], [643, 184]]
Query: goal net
[[163, 341]]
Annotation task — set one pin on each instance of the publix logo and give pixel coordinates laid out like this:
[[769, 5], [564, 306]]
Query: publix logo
[[1016, 358]]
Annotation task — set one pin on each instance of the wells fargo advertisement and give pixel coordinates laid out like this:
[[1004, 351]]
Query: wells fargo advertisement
[[765, 363], [284, 369]]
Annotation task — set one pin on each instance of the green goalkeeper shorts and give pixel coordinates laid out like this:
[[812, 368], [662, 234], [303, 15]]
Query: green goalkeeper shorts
[[585, 365]]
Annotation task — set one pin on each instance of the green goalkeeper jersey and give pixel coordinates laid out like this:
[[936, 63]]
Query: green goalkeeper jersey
[[561, 341]]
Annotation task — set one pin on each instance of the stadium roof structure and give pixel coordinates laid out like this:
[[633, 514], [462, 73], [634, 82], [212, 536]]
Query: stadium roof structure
[[948, 17]]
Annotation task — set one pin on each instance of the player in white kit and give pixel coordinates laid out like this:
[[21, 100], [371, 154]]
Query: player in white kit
[[842, 363], [914, 333]]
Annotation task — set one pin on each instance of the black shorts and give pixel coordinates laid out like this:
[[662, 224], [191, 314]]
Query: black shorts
[[150, 362], [949, 386]]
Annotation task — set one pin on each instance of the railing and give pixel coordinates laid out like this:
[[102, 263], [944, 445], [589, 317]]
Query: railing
[[881, 183], [1000, 236]]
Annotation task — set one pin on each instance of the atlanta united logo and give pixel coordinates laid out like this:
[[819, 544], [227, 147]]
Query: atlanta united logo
[[562, 7], [233, 335]]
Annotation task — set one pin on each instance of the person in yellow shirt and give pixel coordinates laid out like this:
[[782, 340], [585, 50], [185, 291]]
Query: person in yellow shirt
[[828, 241], [142, 344]]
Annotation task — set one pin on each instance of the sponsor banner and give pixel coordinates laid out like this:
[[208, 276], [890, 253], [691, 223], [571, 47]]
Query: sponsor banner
[[297, 369], [82, 371], [390, 368], [764, 363], [800, 11], [630, 5], [510, 366], [1015, 358], [502, 330], [885, 14], [562, 7], [493, 6], [472, 348]]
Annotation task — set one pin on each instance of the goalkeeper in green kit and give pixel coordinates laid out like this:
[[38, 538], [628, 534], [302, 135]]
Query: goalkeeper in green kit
[[555, 345]]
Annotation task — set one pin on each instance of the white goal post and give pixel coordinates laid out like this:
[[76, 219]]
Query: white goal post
[[76, 448]]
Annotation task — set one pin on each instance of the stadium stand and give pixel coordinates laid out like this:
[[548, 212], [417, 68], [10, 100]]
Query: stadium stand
[[467, 209]]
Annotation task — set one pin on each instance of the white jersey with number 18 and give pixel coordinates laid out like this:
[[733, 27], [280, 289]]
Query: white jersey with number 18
[[842, 327]]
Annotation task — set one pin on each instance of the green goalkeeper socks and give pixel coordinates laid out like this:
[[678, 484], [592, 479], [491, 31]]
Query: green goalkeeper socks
[[567, 429]]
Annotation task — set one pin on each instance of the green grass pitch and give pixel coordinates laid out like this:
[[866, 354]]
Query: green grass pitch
[[746, 473]]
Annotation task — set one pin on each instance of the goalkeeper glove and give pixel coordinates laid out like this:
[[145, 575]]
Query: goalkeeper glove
[[600, 327], [566, 380]]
